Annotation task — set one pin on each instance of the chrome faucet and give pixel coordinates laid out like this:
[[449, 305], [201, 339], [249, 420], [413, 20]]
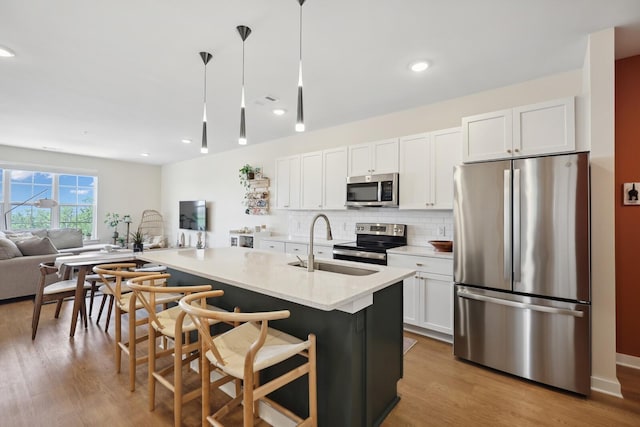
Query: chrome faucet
[[310, 260]]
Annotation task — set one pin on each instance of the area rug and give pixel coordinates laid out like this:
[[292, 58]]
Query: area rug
[[407, 344]]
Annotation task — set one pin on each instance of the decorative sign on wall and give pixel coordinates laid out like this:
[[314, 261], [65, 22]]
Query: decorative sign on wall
[[630, 193]]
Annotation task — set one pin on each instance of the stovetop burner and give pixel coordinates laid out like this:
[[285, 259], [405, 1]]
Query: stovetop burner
[[372, 242]]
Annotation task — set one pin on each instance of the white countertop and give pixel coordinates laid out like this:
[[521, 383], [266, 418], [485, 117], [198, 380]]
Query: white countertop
[[305, 240], [420, 251], [268, 273]]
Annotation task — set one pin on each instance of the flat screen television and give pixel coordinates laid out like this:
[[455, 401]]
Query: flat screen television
[[193, 215]]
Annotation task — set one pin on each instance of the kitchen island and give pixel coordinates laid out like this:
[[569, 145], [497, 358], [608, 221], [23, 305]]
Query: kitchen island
[[357, 321]]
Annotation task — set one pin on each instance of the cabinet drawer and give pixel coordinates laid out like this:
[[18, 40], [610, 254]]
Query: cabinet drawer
[[322, 251], [272, 245], [295, 248], [422, 263]]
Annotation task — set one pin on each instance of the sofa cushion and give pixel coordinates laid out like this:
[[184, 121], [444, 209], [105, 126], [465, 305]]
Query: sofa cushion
[[64, 238], [36, 246], [8, 249], [19, 235]]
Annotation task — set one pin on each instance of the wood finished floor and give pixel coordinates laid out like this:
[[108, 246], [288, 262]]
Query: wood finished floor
[[57, 381]]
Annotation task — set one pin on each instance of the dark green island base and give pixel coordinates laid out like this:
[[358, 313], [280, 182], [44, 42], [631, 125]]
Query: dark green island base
[[359, 355]]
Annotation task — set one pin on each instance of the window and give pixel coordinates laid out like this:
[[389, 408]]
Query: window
[[21, 192], [76, 198]]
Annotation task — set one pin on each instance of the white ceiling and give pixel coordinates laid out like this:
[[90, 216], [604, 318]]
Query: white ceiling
[[117, 78]]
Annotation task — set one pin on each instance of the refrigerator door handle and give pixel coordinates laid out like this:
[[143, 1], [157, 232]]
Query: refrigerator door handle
[[535, 307], [516, 226], [507, 226]]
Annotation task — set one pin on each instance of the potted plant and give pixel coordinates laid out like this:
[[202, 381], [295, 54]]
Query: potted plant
[[113, 219], [138, 241], [246, 173]]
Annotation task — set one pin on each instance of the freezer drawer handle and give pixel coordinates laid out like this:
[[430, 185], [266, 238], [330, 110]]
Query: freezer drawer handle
[[554, 310]]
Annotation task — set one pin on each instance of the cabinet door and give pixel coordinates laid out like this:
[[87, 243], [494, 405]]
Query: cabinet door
[[437, 303], [415, 172], [487, 136], [548, 127], [385, 156], [288, 182], [311, 169], [359, 160], [411, 300], [335, 178], [446, 152]]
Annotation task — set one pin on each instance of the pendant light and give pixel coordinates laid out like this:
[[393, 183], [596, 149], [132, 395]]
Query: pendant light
[[300, 116], [244, 33], [204, 149]]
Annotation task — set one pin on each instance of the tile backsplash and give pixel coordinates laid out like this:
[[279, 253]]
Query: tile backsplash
[[422, 226]]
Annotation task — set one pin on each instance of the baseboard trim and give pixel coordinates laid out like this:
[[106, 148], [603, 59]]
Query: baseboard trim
[[428, 333], [628, 360], [606, 386]]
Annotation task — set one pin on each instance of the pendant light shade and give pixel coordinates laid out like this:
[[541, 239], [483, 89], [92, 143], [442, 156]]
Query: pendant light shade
[[244, 32], [204, 149], [300, 115]]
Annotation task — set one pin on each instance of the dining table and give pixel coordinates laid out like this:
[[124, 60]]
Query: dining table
[[84, 263]]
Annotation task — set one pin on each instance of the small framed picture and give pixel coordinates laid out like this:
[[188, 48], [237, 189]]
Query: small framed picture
[[630, 193]]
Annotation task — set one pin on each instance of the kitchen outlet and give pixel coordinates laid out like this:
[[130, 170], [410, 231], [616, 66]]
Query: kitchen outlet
[[441, 230]]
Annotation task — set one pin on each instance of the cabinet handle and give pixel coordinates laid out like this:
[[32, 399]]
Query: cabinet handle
[[286, 206], [272, 247], [419, 264], [517, 150], [508, 150], [319, 206]]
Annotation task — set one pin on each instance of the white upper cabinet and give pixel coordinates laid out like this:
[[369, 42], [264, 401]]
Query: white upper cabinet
[[426, 169], [544, 128], [312, 180], [324, 177], [335, 178], [288, 183], [373, 158]]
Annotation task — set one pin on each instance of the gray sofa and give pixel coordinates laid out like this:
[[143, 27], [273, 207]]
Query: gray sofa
[[21, 254]]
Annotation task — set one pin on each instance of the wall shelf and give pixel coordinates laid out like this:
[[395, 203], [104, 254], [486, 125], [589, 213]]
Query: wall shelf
[[257, 197]]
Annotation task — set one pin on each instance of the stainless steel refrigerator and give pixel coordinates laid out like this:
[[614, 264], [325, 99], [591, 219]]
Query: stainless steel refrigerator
[[521, 267]]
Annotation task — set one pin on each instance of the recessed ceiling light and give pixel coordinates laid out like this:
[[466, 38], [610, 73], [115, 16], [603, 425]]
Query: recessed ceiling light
[[5, 52], [144, 154], [279, 111], [186, 141], [419, 66]]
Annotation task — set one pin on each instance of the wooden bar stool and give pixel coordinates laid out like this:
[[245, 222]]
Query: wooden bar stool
[[174, 324], [126, 303], [243, 352]]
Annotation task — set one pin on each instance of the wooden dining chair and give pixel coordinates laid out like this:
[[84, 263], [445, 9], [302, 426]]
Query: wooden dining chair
[[172, 323], [244, 351], [56, 291], [127, 303]]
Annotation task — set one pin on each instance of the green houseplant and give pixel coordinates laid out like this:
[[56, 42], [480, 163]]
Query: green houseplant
[[246, 173], [138, 241], [113, 219]]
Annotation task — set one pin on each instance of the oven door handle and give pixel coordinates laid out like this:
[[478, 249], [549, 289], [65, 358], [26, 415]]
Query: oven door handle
[[360, 254]]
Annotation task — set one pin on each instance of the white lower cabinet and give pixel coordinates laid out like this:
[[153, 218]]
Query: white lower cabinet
[[299, 249], [427, 295], [322, 251], [272, 245]]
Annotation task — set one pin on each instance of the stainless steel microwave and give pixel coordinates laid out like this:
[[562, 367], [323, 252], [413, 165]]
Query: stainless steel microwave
[[372, 190]]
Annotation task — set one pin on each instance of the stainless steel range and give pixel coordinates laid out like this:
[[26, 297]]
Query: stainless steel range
[[372, 242]]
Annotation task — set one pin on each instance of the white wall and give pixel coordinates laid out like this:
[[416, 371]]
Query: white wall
[[214, 177], [600, 85], [125, 188]]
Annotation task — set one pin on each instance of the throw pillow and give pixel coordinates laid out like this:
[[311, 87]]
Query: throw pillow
[[36, 246], [8, 249], [64, 238], [20, 235]]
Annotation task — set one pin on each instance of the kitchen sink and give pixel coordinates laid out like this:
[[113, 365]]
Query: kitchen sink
[[335, 268]]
